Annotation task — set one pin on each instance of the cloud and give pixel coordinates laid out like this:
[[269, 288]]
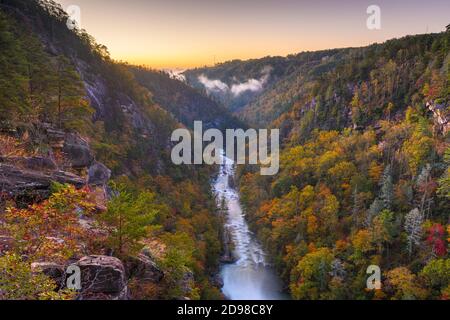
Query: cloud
[[252, 85], [213, 85], [176, 74]]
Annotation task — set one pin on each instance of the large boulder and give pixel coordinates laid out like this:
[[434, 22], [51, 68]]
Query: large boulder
[[98, 174], [102, 277], [77, 151]]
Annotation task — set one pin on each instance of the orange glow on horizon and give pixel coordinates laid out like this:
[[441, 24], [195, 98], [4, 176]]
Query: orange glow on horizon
[[187, 34]]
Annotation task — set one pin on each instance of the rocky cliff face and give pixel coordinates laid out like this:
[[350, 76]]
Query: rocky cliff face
[[68, 160], [440, 116], [128, 135]]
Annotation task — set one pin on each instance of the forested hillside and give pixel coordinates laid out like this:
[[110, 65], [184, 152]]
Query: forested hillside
[[364, 174], [237, 83], [71, 118], [185, 103], [86, 178]]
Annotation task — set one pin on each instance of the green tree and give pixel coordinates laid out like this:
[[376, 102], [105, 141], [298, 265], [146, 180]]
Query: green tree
[[129, 218], [19, 282], [444, 182], [311, 276], [72, 110], [387, 188], [437, 274], [178, 262], [383, 229], [13, 73]]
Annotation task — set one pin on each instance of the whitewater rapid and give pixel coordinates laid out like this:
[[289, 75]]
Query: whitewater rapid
[[250, 277]]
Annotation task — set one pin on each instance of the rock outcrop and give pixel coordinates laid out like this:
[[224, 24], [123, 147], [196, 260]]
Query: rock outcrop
[[102, 278], [18, 182], [187, 284], [52, 270], [32, 163], [77, 151], [105, 277], [441, 116], [98, 174], [29, 178], [144, 269]]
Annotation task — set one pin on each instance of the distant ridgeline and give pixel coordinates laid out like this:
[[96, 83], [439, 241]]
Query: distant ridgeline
[[322, 84], [364, 176], [185, 103], [71, 116]]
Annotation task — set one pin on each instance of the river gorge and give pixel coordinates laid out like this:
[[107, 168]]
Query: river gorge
[[250, 276]]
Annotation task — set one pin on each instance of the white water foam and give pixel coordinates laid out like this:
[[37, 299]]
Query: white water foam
[[250, 277]]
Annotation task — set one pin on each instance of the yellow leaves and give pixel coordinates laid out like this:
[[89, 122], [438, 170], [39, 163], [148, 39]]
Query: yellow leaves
[[330, 205], [327, 160], [375, 171], [312, 274], [19, 282], [362, 241], [306, 195], [405, 284], [325, 138], [400, 276], [70, 199], [417, 149], [51, 229], [448, 232], [445, 293], [312, 224], [342, 171]]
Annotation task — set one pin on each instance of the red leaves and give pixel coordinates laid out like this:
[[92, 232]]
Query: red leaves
[[435, 237]]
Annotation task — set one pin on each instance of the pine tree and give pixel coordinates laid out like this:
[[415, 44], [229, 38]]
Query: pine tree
[[129, 218], [375, 208], [71, 108], [425, 186], [338, 269], [413, 228], [387, 188], [444, 182], [13, 73], [40, 74]]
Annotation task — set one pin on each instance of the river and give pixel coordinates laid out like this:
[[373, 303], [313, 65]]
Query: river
[[250, 277]]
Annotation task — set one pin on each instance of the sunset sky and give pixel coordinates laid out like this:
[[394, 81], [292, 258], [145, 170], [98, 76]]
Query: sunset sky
[[188, 33]]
